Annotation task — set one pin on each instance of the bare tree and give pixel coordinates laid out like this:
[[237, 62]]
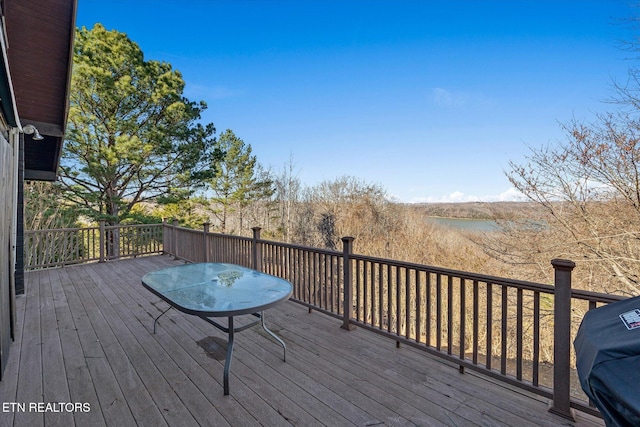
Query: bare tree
[[345, 206], [288, 193], [45, 208], [589, 189]]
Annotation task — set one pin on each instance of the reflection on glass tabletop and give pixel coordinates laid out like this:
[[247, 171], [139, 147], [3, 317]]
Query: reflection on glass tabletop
[[217, 289]]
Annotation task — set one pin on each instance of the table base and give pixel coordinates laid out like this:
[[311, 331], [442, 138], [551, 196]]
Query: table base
[[230, 330]]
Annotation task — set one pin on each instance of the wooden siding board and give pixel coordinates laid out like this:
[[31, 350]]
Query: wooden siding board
[[6, 219], [19, 275]]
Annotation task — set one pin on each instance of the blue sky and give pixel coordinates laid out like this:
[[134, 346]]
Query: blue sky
[[430, 100]]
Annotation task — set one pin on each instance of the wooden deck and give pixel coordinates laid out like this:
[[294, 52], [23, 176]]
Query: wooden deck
[[85, 336]]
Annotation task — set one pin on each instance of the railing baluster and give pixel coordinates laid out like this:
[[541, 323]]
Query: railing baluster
[[308, 277], [333, 283], [438, 311], [450, 315], [389, 299], [463, 318], [313, 281], [427, 326], [503, 331], [365, 293], [407, 303], [358, 293], [418, 307], [489, 326], [536, 338], [519, 330], [476, 321], [398, 299], [380, 296]]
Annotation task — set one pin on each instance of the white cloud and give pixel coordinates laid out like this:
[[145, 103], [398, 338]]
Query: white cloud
[[510, 195], [453, 99], [212, 92], [445, 98]]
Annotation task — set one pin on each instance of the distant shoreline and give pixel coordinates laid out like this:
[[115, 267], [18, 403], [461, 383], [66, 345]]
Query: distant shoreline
[[477, 210]]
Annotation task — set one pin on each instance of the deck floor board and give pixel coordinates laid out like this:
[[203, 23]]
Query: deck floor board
[[85, 335]]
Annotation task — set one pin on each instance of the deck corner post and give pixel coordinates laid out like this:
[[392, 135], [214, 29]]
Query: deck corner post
[[102, 237], [347, 312], [205, 242], [256, 250], [561, 404]]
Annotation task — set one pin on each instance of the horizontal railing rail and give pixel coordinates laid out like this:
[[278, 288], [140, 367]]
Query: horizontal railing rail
[[515, 331]]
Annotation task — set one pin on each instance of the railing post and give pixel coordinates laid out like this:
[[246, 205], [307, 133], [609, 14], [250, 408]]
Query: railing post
[[347, 312], [174, 238], [114, 239], [256, 250], [205, 245], [101, 238], [561, 404], [165, 237]]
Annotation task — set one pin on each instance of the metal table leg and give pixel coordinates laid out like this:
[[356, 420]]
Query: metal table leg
[[277, 338], [227, 363], [230, 329], [155, 321]]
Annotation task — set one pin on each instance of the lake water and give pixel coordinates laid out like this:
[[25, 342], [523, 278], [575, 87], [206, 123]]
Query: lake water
[[465, 224]]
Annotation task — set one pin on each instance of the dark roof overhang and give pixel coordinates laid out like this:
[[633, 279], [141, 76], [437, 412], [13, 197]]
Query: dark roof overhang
[[39, 37]]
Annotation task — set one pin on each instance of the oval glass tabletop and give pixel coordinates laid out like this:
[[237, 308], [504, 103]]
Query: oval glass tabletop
[[217, 289]]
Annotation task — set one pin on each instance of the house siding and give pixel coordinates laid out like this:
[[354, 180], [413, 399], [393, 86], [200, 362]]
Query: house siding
[[7, 189]]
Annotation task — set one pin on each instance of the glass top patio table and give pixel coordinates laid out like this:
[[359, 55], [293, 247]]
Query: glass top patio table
[[216, 289], [211, 290]]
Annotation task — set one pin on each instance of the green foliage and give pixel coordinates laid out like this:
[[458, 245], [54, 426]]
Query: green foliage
[[132, 136], [237, 181], [140, 215], [189, 212]]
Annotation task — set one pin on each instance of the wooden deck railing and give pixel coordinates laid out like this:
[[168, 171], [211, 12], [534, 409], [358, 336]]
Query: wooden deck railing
[[514, 331], [54, 248]]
